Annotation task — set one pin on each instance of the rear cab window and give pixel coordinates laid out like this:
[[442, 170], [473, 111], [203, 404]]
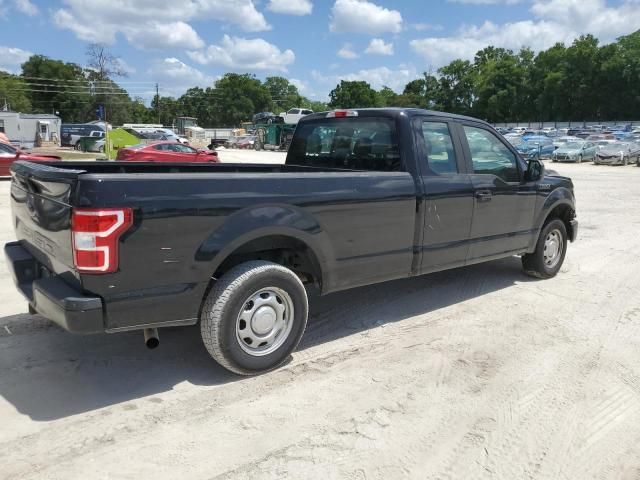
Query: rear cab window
[[351, 143], [438, 149]]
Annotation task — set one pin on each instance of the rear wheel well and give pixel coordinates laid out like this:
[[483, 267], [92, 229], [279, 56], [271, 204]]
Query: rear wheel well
[[565, 213], [289, 252]]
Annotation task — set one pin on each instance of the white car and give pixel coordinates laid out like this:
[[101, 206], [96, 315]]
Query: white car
[[550, 131], [171, 135], [295, 114], [519, 130]]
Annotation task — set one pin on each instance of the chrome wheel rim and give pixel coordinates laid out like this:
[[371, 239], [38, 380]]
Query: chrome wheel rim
[[553, 246], [265, 321]]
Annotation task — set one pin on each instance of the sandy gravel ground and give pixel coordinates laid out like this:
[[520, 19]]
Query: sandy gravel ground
[[474, 373]]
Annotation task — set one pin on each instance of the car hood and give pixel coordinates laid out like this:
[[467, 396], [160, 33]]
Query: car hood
[[570, 151], [612, 151]]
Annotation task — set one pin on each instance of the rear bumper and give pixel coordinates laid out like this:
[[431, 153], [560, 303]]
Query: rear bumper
[[52, 297]]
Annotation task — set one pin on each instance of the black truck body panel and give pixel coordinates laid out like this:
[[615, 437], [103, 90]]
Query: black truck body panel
[[359, 227]]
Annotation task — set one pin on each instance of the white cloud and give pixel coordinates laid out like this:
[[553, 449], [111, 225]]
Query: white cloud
[[175, 77], [486, 2], [164, 22], [168, 35], [347, 52], [378, 77], [11, 58], [377, 46], [301, 85], [361, 16], [125, 67], [146, 35], [291, 7], [422, 27], [554, 21], [26, 7], [242, 53]]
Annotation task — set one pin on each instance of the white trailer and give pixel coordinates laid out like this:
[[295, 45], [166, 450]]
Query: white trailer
[[29, 130]]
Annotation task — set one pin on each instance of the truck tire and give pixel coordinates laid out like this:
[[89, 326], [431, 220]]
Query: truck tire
[[254, 317], [551, 248]]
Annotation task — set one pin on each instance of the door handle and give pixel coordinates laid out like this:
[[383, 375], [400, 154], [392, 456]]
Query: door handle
[[483, 195]]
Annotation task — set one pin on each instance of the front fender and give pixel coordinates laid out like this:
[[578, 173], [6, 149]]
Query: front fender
[[559, 196], [261, 221]]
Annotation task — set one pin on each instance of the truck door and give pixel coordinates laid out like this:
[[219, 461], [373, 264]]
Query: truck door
[[503, 204], [448, 195]]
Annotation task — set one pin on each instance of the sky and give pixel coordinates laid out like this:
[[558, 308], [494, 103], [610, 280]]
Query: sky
[[314, 43]]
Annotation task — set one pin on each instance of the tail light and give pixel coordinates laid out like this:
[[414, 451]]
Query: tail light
[[342, 113], [95, 234]]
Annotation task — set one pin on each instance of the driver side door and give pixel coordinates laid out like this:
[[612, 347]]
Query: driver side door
[[504, 204]]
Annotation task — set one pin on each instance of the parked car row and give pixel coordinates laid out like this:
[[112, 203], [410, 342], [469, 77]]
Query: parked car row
[[618, 132], [599, 146]]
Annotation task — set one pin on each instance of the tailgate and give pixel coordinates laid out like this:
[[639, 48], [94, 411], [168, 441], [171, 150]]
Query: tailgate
[[41, 212]]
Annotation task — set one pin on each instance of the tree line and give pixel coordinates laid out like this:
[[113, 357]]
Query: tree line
[[582, 81]]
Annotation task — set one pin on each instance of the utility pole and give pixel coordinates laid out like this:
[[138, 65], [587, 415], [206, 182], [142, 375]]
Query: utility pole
[[158, 102]]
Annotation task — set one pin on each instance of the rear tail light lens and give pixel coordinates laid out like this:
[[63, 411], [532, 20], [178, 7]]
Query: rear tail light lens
[[95, 235], [342, 113]]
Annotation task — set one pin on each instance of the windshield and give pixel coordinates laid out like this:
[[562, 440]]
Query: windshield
[[574, 145], [351, 143]]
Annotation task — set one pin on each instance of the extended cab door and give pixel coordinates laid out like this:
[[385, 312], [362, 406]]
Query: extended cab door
[[503, 203], [448, 195]]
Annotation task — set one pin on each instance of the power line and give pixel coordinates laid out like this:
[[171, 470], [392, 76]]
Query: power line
[[91, 87], [63, 91], [70, 80]]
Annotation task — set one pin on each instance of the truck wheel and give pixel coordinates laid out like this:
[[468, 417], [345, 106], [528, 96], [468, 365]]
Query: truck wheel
[[546, 260], [254, 317]]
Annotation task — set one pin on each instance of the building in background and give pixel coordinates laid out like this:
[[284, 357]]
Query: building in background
[[29, 130]]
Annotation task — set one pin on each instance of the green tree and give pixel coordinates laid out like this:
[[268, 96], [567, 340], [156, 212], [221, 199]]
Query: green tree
[[352, 95], [284, 95], [57, 86], [314, 105], [498, 78], [239, 97], [456, 87], [13, 93], [387, 98]]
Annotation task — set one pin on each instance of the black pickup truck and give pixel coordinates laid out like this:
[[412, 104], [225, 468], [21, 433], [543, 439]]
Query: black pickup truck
[[365, 196]]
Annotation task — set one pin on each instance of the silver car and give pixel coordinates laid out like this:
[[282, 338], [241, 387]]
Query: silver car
[[618, 153]]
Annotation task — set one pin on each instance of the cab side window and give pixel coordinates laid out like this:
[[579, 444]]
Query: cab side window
[[490, 156], [441, 157]]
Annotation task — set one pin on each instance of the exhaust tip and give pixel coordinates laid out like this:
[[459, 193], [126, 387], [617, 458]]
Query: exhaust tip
[[151, 338]]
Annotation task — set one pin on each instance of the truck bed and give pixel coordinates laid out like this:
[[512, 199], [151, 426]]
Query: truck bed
[[188, 217]]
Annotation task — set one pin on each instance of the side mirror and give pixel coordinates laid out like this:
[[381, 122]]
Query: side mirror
[[535, 171]]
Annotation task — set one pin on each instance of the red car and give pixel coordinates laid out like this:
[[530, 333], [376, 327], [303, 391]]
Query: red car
[[166, 152], [9, 154]]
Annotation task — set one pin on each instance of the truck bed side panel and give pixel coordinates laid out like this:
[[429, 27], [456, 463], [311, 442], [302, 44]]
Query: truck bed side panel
[[182, 224]]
